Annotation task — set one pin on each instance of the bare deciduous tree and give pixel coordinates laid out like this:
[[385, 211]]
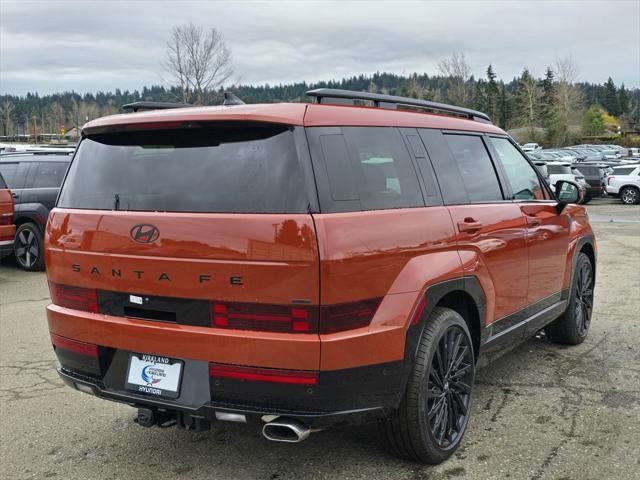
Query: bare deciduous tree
[[567, 106], [6, 117], [458, 71], [198, 60]]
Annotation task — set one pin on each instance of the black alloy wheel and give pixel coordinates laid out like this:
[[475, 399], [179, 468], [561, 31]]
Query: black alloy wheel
[[449, 387], [27, 247], [583, 303], [572, 327], [430, 422]]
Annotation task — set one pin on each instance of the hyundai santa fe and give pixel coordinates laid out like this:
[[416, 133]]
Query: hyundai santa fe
[[302, 266]]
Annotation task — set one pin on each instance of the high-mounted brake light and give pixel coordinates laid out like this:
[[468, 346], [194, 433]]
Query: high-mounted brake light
[[77, 298], [263, 317], [153, 125], [82, 348], [252, 374], [347, 316]]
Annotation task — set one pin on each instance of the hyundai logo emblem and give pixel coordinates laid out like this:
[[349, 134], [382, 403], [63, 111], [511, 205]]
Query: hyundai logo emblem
[[145, 233]]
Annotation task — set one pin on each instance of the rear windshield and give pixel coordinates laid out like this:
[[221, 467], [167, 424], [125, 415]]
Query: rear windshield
[[558, 169], [234, 168]]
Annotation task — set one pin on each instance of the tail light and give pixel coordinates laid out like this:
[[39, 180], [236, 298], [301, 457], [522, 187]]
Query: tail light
[[293, 319], [77, 298], [263, 317], [296, 377], [347, 316], [82, 348]]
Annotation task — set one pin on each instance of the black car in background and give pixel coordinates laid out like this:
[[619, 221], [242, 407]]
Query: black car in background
[[596, 176], [34, 179]]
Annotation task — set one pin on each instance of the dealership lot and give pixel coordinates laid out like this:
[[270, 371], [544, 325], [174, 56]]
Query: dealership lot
[[540, 412]]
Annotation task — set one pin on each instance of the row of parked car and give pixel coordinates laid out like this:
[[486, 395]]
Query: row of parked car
[[29, 185], [599, 170]]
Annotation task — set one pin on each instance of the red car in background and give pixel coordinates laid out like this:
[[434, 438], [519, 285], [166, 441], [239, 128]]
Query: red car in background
[[7, 228]]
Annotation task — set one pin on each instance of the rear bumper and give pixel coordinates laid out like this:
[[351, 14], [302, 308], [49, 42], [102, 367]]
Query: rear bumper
[[612, 190], [340, 398], [6, 248]]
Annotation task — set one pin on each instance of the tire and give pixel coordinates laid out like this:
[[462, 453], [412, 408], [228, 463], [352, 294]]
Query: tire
[[630, 195], [28, 247], [422, 428], [572, 327]]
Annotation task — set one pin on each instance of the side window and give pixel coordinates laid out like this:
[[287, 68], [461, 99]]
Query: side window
[[364, 168], [47, 175], [476, 169], [10, 173], [521, 176]]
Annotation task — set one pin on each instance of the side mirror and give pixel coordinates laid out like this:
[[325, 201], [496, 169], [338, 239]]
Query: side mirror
[[567, 192]]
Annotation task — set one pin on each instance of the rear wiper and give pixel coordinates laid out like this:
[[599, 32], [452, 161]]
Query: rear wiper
[[116, 203]]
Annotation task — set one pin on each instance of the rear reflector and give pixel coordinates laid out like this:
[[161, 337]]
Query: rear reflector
[[264, 317], [347, 316], [270, 375], [77, 298], [419, 310], [87, 349], [6, 219]]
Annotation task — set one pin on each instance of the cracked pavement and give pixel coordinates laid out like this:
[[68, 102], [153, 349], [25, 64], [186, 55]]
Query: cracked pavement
[[540, 412]]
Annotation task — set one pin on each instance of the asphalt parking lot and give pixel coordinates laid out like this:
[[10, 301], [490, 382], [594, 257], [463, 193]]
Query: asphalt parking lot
[[540, 412]]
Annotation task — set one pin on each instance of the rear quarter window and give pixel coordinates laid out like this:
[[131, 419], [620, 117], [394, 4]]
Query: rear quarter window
[[623, 171], [46, 174], [363, 168]]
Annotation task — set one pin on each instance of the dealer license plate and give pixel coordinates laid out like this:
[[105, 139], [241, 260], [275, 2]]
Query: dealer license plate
[[154, 375]]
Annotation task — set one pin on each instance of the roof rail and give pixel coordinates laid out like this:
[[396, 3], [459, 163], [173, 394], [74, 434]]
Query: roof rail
[[392, 101], [144, 106]]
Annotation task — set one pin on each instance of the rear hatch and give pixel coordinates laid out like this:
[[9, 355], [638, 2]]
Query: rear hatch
[[7, 228], [201, 228]]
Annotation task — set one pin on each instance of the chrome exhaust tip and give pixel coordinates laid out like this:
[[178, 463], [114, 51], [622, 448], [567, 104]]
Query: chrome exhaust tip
[[285, 430]]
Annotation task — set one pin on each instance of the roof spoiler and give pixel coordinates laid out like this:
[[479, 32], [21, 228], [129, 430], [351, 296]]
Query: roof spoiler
[[337, 96], [145, 106]]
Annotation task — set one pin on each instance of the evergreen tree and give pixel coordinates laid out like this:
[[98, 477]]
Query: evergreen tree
[[623, 100], [492, 93], [505, 107], [610, 99], [547, 100], [528, 101]]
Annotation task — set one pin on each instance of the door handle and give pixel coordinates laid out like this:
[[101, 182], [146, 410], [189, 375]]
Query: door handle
[[533, 221], [469, 225]]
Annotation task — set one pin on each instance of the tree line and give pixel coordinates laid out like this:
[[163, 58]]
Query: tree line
[[554, 110]]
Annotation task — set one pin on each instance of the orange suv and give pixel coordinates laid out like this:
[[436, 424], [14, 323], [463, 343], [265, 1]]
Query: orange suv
[[7, 227], [301, 266]]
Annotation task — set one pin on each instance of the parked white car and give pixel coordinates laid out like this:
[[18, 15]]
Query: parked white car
[[624, 182], [564, 171], [531, 147]]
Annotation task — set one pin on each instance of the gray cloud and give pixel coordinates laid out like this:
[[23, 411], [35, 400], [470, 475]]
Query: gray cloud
[[48, 46]]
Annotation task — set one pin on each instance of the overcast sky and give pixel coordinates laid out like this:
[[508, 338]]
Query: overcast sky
[[52, 46]]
